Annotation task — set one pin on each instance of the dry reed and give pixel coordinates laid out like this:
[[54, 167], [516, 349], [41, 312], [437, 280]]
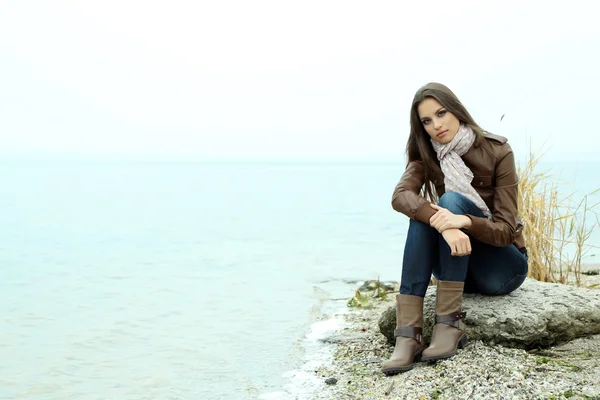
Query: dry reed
[[556, 228]]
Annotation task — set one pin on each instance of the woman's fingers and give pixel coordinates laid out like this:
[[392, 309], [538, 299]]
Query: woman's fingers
[[441, 223], [466, 246], [439, 219], [462, 250], [438, 225], [461, 247], [459, 242]]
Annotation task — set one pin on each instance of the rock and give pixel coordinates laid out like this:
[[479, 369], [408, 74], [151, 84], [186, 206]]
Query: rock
[[370, 286], [590, 392], [536, 314], [331, 381], [590, 269], [343, 338]]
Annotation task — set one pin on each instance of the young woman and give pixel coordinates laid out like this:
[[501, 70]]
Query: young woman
[[460, 192]]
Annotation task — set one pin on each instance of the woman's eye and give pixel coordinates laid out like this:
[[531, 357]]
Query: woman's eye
[[425, 122], [442, 113]]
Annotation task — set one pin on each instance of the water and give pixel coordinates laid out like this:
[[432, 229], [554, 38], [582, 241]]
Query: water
[[183, 280]]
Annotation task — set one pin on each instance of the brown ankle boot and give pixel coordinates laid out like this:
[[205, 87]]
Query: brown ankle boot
[[449, 329], [409, 335]]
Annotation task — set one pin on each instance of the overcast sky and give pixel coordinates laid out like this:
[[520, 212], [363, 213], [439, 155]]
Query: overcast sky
[[290, 80]]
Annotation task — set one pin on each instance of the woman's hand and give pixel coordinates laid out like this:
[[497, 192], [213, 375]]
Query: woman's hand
[[443, 219], [459, 242]]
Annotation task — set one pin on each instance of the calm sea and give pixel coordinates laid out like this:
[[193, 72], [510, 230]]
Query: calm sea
[[139, 280]]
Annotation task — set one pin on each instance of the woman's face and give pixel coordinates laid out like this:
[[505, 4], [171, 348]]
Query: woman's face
[[439, 123]]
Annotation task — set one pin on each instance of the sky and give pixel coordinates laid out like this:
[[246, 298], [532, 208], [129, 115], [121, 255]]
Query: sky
[[283, 80]]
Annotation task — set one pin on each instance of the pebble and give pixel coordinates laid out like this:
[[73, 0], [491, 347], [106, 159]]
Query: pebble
[[331, 381]]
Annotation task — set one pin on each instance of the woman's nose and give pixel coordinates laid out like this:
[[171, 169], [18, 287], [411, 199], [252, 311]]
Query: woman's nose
[[437, 124]]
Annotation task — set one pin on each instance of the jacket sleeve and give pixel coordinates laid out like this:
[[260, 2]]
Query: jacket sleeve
[[407, 199], [502, 229]]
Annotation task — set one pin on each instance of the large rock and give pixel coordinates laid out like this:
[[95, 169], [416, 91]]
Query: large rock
[[536, 314]]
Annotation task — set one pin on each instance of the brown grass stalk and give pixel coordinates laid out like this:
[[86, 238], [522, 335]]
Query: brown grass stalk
[[556, 229]]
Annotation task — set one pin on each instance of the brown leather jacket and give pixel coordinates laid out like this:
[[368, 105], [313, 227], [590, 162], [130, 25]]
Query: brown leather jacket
[[496, 181]]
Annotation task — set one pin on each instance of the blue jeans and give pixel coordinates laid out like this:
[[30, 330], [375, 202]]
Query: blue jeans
[[488, 270]]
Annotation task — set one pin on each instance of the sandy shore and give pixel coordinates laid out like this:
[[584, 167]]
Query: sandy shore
[[480, 371]]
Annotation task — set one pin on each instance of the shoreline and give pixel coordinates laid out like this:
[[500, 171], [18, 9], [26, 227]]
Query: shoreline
[[480, 371], [301, 382]]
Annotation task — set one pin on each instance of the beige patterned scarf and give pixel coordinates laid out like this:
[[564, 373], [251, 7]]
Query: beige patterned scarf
[[457, 176]]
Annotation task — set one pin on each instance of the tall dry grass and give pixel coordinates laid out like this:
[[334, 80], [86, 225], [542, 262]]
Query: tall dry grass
[[556, 228]]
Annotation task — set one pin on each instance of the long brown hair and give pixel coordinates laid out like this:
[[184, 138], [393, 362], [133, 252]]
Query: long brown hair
[[419, 147]]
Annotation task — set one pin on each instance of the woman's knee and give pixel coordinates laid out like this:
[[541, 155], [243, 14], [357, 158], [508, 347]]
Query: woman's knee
[[454, 202]]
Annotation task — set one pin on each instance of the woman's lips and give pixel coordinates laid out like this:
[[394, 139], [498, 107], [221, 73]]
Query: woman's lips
[[442, 133]]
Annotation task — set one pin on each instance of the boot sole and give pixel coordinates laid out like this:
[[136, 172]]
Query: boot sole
[[397, 370], [462, 343]]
